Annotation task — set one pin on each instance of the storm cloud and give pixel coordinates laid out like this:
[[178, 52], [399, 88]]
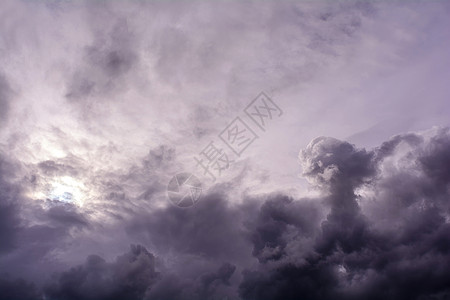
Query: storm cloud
[[350, 257], [279, 247], [345, 195]]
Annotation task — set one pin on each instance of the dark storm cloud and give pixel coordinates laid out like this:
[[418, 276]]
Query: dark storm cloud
[[338, 168], [128, 277], [208, 285], [222, 275], [392, 243], [352, 260], [336, 164], [204, 231], [341, 168], [18, 289], [29, 230], [9, 209], [32, 246], [388, 148], [435, 159], [279, 220]]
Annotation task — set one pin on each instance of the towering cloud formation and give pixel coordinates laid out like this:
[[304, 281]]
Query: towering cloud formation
[[390, 241]]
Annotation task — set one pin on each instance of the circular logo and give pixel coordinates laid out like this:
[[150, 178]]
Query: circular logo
[[184, 190]]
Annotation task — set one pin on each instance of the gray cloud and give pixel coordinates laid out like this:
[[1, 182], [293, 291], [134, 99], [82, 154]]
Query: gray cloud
[[18, 289], [204, 231], [351, 258], [5, 98], [128, 277], [105, 65], [340, 245], [9, 206]]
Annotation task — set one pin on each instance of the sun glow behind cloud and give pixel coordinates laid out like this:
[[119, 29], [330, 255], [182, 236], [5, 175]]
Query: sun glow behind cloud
[[63, 189], [67, 189]]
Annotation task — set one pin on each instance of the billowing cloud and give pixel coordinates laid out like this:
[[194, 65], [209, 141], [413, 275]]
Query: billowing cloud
[[128, 277], [365, 236], [355, 255]]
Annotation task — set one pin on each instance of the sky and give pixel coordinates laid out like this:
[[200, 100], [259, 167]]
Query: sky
[[224, 150]]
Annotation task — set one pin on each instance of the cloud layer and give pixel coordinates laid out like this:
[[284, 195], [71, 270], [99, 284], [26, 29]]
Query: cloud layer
[[379, 230], [102, 103]]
